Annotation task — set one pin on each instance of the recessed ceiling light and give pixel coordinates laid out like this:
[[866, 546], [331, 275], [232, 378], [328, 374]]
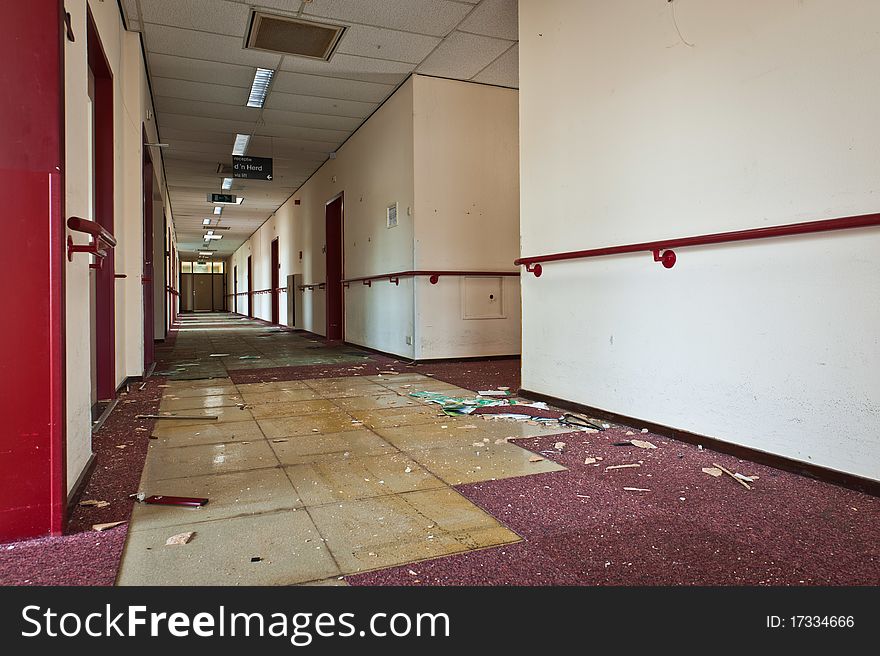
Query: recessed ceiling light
[[218, 210], [241, 144], [227, 183], [206, 221], [208, 237], [260, 87], [207, 253]]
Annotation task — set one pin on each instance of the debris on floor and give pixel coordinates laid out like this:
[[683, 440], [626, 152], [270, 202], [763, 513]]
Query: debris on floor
[[733, 476], [180, 538], [106, 526], [712, 471], [497, 392], [94, 503], [189, 502], [589, 461], [188, 417], [536, 459], [580, 421], [559, 446], [636, 489], [643, 444], [627, 466]]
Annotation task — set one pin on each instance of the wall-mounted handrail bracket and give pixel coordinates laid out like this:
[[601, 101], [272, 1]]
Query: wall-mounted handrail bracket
[[394, 279], [434, 279], [667, 258], [102, 241], [537, 269]]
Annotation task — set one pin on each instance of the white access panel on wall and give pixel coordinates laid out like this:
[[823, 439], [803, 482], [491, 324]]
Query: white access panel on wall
[[482, 297]]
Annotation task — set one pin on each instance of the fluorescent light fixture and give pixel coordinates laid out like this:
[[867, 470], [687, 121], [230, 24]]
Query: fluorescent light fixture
[[241, 144], [210, 232], [207, 253], [209, 237], [218, 210], [206, 221], [227, 183], [260, 87]]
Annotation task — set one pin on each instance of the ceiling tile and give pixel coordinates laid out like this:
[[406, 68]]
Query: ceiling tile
[[208, 109], [163, 86], [317, 105], [496, 18], [504, 71], [199, 70], [434, 17], [220, 17], [330, 87], [379, 43], [351, 67], [463, 55], [202, 45]]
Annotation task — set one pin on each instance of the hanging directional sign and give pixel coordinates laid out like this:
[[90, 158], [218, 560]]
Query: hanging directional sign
[[251, 168]]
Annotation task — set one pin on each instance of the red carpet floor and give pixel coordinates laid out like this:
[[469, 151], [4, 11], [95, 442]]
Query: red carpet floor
[[580, 527]]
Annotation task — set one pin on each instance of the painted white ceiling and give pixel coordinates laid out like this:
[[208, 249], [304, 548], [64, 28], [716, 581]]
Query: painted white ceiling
[[201, 74]]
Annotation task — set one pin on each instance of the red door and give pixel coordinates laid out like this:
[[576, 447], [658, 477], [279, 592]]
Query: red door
[[335, 299], [250, 288], [274, 277], [105, 279], [33, 491], [147, 277]]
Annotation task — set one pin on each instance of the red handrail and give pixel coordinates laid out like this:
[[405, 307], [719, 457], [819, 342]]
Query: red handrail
[[434, 276], [667, 257], [102, 240], [312, 286], [258, 291]]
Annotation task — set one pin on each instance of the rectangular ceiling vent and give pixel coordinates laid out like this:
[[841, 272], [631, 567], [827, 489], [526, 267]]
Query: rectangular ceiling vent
[[292, 36]]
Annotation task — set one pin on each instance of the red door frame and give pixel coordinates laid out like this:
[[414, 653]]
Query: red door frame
[[147, 276], [105, 283], [235, 289], [334, 210], [250, 287], [274, 280], [33, 485]]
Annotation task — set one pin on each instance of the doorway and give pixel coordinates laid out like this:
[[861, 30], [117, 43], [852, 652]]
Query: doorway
[[274, 279], [250, 287], [147, 276], [334, 269], [102, 169]]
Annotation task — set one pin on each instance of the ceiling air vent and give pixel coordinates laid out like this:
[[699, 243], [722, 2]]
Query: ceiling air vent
[[292, 36]]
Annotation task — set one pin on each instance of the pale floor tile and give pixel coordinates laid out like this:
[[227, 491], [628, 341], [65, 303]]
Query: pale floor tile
[[211, 416], [461, 431], [330, 447], [202, 382], [220, 553], [470, 464], [279, 396], [359, 478], [211, 390], [292, 408], [206, 459], [336, 581], [273, 386], [377, 402], [172, 404], [392, 530], [193, 435], [229, 495], [336, 422], [396, 417]]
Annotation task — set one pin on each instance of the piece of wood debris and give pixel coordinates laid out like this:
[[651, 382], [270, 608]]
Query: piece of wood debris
[[712, 471], [747, 479], [636, 489], [180, 538], [628, 433], [643, 445], [94, 503], [190, 417], [278, 441], [478, 444], [627, 466], [733, 476], [535, 459], [589, 461], [559, 446], [408, 470], [390, 373], [644, 430], [106, 526], [121, 446]]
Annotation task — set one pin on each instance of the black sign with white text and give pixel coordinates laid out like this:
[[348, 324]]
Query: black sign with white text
[[251, 168]]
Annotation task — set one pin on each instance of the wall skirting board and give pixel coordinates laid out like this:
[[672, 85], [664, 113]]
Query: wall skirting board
[[865, 485]]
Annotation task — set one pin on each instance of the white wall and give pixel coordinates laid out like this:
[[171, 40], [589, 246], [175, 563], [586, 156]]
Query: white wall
[[628, 135], [131, 98], [466, 213]]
